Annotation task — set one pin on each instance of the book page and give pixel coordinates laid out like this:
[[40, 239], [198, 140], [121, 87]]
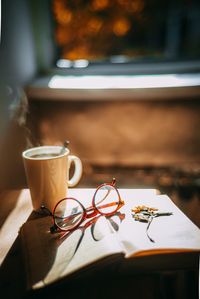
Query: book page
[[174, 232], [49, 257]]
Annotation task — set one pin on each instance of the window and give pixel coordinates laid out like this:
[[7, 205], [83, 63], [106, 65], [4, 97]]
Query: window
[[125, 31], [136, 46]]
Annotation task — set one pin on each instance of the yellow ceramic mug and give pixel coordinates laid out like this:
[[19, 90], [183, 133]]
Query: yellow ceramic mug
[[47, 173]]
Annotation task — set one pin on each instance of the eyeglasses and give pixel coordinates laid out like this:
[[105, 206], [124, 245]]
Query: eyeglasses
[[69, 212]]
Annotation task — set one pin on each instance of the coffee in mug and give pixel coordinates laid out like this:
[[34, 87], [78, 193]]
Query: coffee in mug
[[47, 173]]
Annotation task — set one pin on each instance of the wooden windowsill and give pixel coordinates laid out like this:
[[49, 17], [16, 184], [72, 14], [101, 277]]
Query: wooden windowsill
[[137, 88]]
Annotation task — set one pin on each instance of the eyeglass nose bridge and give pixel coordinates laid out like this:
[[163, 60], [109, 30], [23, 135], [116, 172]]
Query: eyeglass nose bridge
[[91, 212]]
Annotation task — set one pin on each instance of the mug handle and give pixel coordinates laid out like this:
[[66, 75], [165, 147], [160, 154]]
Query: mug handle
[[77, 172]]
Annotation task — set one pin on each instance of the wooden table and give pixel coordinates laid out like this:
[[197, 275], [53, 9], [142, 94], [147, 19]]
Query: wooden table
[[16, 208]]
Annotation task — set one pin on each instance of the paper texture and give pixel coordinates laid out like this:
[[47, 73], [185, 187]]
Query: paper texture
[[169, 232], [49, 258]]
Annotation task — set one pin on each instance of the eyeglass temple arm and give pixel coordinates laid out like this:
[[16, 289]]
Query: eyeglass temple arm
[[68, 218]]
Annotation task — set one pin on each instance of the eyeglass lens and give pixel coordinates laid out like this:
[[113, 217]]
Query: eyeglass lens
[[106, 199], [68, 214]]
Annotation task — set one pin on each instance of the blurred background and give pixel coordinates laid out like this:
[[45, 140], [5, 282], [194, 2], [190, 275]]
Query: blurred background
[[119, 79]]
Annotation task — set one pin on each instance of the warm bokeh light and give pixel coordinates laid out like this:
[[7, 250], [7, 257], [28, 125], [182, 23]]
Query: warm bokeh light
[[62, 14], [99, 4], [63, 37], [64, 17], [94, 25], [95, 29], [137, 6], [121, 27]]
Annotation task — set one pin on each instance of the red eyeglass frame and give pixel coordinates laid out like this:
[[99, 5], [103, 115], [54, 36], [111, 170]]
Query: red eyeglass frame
[[94, 210]]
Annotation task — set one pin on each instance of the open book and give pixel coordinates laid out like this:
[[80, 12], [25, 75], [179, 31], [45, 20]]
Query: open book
[[49, 258]]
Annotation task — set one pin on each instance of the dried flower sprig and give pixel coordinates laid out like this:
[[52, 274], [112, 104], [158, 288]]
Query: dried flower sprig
[[142, 208], [147, 214]]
